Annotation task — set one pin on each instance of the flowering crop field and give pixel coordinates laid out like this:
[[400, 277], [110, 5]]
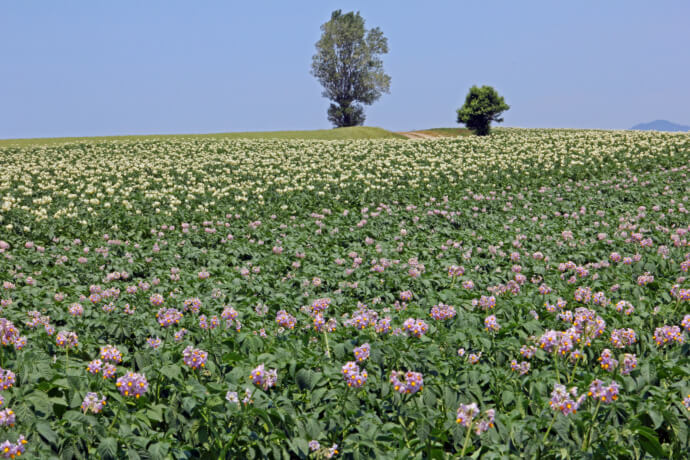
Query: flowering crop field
[[523, 294]]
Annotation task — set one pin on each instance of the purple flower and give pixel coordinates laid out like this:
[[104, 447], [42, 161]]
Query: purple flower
[[442, 312], [263, 378], [456, 270], [156, 300], [179, 335], [583, 294], [562, 399], [66, 339], [332, 451], [93, 403], [319, 322], [232, 397], [383, 326], [9, 450], [109, 371], [19, 343], [668, 334], [557, 341], [194, 357], [132, 384], [229, 314], [353, 376], [314, 445], [474, 358], [466, 414], [621, 338], [686, 402], [320, 305], [600, 299], [75, 309], [522, 368], [169, 316], [624, 307], [110, 353], [94, 367], [362, 353], [486, 422], [608, 362], [490, 323], [284, 319], [7, 418], [208, 323], [412, 383], [528, 351], [598, 391], [628, 364], [193, 304], [247, 397], [686, 323], [154, 343], [415, 327], [486, 303], [362, 317], [645, 279]]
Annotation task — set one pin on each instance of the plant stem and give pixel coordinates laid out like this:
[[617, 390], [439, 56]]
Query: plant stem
[[587, 439], [117, 414], [555, 362], [328, 350], [548, 430], [574, 369], [467, 439]]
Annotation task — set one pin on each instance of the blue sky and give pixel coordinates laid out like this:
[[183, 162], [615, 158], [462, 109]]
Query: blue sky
[[85, 68]]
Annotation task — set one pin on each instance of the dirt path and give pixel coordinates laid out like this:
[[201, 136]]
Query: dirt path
[[417, 135]]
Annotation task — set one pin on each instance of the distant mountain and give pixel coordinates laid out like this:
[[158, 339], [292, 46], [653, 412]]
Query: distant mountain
[[660, 125]]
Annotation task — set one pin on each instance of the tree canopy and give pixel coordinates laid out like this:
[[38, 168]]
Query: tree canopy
[[348, 65], [482, 106]]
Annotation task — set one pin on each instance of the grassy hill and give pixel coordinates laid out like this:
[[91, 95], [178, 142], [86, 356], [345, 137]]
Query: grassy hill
[[447, 132], [357, 132]]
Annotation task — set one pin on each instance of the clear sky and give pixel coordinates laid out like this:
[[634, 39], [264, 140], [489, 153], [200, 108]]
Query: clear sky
[[84, 68]]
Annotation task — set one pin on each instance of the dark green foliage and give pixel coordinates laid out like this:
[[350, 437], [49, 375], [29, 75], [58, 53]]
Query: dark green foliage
[[482, 106], [340, 116], [348, 65]]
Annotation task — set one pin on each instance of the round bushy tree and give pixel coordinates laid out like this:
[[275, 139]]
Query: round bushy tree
[[482, 106]]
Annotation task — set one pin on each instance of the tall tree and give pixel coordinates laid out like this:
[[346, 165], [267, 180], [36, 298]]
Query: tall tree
[[482, 106], [347, 63]]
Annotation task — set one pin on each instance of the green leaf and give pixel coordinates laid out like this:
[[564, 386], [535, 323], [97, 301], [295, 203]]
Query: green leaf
[[108, 448], [429, 398], [46, 431], [74, 416], [155, 414], [300, 446], [158, 450], [303, 378], [171, 371], [189, 404], [650, 442], [423, 430], [41, 402]]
